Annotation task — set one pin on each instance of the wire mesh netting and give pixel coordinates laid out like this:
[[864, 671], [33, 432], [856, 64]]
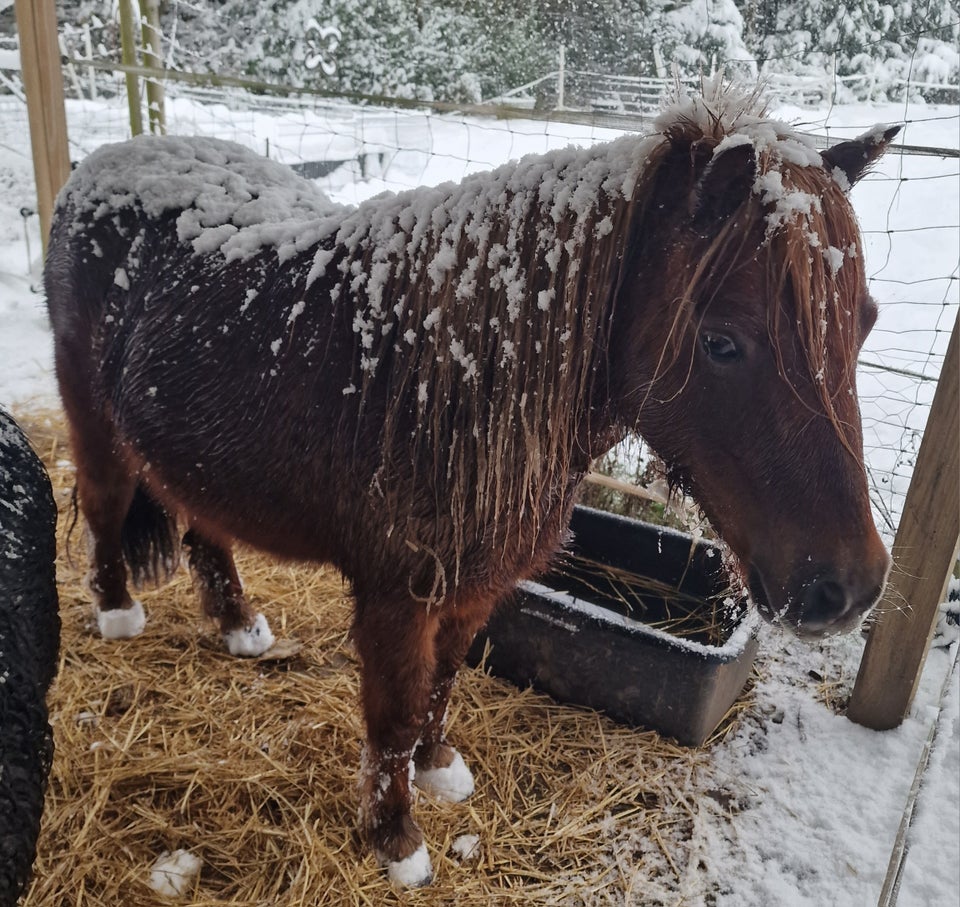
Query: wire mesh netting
[[357, 147]]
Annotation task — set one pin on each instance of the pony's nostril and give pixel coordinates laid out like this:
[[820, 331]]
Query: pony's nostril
[[823, 600]]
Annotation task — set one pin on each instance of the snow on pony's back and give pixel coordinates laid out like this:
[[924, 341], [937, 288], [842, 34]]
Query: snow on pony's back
[[228, 198]]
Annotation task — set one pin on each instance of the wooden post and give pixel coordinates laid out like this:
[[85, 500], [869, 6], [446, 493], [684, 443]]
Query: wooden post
[[152, 59], [561, 76], [128, 53], [43, 86], [924, 553]]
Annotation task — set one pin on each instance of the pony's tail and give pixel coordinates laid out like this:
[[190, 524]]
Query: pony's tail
[[149, 539]]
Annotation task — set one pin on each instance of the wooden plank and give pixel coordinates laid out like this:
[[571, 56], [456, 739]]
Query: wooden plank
[[43, 86], [924, 552], [637, 491]]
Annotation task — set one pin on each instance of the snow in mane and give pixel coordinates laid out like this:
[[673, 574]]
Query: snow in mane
[[733, 115]]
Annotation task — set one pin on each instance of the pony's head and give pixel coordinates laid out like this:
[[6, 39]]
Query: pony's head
[[751, 306]]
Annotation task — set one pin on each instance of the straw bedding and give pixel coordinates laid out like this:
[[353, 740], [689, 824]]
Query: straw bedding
[[166, 742]]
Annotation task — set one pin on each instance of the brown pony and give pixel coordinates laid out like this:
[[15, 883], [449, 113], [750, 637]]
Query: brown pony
[[412, 390]]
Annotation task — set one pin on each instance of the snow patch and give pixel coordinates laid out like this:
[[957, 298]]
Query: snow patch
[[296, 311], [840, 178], [789, 205], [432, 318], [173, 874], [414, 871], [229, 199], [466, 848], [835, 258]]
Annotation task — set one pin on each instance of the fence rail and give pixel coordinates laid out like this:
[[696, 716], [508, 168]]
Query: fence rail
[[641, 95]]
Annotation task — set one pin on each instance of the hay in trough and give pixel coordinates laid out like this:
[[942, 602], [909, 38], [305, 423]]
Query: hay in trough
[[167, 743], [656, 603]]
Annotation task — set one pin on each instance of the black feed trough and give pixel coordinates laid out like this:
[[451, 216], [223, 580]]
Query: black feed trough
[[636, 621]]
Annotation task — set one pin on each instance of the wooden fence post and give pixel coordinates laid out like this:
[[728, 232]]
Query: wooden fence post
[[152, 59], [924, 552], [43, 86]]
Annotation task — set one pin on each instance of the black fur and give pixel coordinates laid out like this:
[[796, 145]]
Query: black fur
[[29, 644], [149, 539]]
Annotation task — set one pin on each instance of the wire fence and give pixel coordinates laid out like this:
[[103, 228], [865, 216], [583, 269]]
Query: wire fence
[[357, 146]]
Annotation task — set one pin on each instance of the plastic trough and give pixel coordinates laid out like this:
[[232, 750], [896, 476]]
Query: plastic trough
[[578, 636]]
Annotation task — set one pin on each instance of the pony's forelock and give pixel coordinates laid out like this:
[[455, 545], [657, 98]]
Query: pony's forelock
[[821, 275], [810, 239]]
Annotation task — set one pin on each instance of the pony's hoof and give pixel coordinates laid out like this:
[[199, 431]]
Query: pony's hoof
[[249, 642], [121, 623], [452, 783], [414, 871]]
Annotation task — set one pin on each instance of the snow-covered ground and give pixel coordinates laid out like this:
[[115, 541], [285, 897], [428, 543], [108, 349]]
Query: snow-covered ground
[[818, 800]]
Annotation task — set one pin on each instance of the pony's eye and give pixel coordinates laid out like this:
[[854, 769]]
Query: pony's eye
[[719, 347]]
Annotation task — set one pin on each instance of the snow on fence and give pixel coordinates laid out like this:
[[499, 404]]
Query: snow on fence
[[358, 146]]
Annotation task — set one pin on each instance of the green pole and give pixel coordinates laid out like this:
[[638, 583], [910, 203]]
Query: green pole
[[128, 51]]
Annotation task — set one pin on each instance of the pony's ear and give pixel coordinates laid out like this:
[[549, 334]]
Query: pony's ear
[[725, 184], [853, 158]]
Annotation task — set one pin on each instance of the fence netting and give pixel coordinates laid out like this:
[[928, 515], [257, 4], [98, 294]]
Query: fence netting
[[357, 143]]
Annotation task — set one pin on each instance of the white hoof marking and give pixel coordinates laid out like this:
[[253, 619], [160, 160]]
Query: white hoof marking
[[414, 871], [248, 642], [452, 783], [121, 623]]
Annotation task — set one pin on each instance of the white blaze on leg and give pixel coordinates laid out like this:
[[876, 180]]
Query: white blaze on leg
[[452, 783], [121, 623], [414, 871], [250, 641]]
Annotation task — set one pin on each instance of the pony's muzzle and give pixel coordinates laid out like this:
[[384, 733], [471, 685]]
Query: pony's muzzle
[[828, 607], [826, 601]]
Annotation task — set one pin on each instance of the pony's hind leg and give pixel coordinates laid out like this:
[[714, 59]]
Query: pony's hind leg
[[439, 768], [395, 641], [105, 490], [245, 632]]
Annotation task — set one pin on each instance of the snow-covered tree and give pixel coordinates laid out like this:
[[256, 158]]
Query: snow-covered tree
[[702, 35], [467, 50]]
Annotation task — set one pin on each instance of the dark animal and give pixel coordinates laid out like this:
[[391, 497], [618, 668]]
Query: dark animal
[[413, 389], [29, 643]]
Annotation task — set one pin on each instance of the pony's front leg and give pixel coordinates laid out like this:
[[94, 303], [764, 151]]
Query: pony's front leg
[[395, 641], [245, 631], [439, 768]]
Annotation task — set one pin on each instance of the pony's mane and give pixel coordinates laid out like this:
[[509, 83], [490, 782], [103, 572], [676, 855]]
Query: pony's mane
[[485, 306]]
